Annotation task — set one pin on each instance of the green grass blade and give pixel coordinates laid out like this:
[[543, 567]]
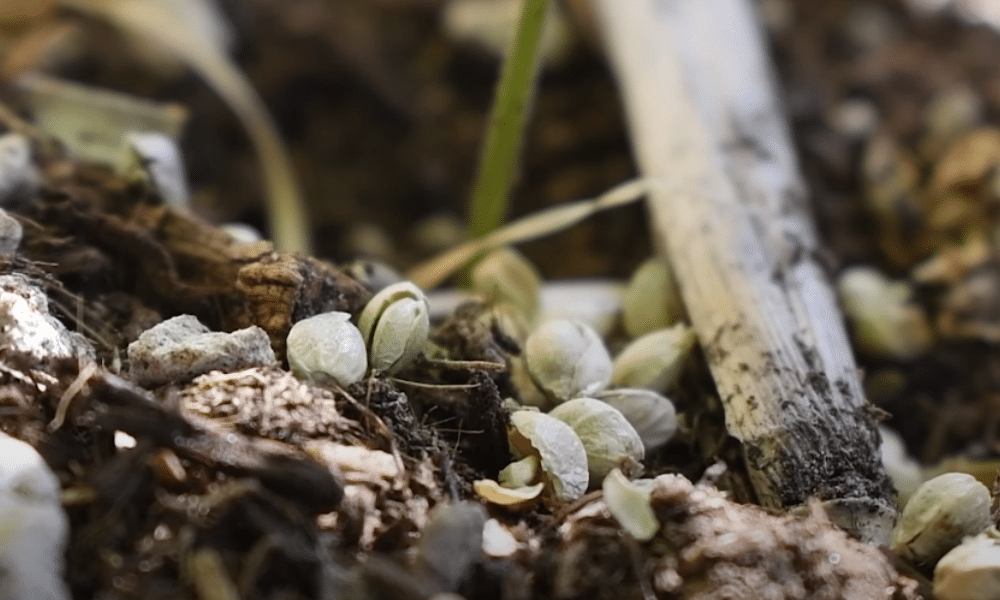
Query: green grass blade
[[509, 113]]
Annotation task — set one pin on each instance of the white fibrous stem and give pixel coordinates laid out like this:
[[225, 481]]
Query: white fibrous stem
[[730, 211]]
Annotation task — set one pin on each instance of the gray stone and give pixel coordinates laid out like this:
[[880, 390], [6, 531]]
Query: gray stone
[[20, 179], [181, 348], [26, 327], [35, 528]]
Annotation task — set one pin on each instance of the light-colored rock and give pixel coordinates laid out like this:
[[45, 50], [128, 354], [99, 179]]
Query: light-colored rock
[[20, 179], [33, 526], [182, 348], [452, 542], [29, 329]]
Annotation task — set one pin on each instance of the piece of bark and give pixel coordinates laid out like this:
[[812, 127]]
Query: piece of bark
[[729, 209]]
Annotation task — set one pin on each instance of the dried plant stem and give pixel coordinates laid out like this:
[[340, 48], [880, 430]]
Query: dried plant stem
[[539, 224], [511, 107], [175, 25], [735, 223]]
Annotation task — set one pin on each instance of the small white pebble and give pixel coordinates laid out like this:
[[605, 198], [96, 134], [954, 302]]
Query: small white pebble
[[20, 179], [242, 232], [10, 233], [498, 542], [33, 526], [854, 118], [29, 328], [124, 441]]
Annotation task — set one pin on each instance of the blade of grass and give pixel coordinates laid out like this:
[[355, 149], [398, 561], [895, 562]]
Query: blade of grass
[[539, 224], [508, 115]]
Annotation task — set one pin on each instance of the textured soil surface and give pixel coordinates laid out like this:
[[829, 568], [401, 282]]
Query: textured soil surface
[[249, 483]]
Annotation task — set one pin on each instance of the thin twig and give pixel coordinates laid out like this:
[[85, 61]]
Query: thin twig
[[71, 392]]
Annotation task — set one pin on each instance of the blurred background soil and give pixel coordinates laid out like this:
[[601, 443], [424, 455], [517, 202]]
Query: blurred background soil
[[384, 115]]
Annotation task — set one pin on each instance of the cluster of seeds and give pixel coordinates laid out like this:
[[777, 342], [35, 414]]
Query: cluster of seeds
[[391, 332], [930, 293], [603, 414], [947, 526]]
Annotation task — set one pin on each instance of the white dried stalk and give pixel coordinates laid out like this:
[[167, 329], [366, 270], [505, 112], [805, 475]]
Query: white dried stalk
[[735, 223]]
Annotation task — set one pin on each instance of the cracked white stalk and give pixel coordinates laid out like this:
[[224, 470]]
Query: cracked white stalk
[[731, 214]]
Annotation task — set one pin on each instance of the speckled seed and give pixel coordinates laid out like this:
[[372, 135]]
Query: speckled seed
[[505, 276], [327, 347], [652, 415], [656, 360], [566, 358], [651, 300], [395, 324], [608, 439], [939, 514], [884, 321], [971, 570], [560, 452]]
